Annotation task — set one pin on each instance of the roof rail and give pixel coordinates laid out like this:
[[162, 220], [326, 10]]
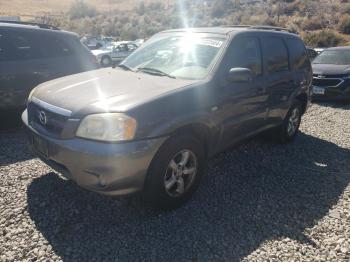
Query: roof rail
[[43, 26], [275, 28], [263, 27]]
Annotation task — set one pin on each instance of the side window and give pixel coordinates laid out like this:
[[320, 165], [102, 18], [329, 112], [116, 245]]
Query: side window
[[4, 47], [53, 46], [298, 54], [246, 53], [275, 54], [131, 47], [20, 46]]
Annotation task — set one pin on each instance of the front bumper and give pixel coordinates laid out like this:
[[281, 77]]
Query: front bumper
[[338, 93], [106, 168]]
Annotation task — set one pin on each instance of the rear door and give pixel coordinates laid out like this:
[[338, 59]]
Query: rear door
[[21, 67], [58, 56], [243, 104], [279, 77]]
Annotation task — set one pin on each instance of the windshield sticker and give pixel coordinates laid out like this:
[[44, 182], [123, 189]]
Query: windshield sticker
[[209, 42]]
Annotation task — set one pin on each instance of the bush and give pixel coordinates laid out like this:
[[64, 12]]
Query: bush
[[80, 9], [324, 38], [344, 25], [313, 24]]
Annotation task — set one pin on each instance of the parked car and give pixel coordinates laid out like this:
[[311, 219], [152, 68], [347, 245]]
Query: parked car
[[114, 53], [151, 123], [319, 50], [312, 53], [331, 79], [96, 42], [31, 54]]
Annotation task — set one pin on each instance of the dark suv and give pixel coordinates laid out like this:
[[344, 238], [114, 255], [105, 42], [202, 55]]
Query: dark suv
[[31, 54], [151, 123], [332, 74]]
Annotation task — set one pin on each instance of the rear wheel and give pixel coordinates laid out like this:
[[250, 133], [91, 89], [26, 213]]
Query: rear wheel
[[288, 130], [175, 172], [106, 61]]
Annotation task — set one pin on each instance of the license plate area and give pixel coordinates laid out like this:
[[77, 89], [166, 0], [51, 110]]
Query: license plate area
[[318, 90], [40, 146]]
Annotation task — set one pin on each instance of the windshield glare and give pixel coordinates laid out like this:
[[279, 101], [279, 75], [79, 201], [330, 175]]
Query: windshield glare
[[334, 57], [186, 56]]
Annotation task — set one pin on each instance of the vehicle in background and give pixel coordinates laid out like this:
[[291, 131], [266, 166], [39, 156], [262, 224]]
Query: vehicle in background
[[114, 53], [139, 42], [96, 42], [34, 53], [319, 50], [331, 74], [150, 124], [312, 53]]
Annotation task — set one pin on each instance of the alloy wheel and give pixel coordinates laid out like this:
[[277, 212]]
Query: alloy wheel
[[293, 122], [180, 173]]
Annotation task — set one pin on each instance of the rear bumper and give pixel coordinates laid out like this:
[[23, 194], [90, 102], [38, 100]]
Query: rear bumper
[[106, 168]]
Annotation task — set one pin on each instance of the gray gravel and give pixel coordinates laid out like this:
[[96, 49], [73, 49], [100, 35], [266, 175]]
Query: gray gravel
[[259, 202]]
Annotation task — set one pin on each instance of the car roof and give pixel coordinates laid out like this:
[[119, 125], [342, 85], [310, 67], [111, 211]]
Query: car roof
[[233, 29], [339, 48], [34, 27]]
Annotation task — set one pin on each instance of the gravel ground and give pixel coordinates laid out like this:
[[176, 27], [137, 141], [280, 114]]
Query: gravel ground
[[259, 202]]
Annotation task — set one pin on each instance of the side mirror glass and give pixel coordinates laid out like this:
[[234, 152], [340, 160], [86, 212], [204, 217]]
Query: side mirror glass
[[240, 74]]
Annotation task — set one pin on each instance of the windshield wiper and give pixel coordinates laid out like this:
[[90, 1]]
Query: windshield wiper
[[154, 71], [125, 67]]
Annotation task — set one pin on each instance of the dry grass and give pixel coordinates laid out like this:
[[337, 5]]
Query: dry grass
[[40, 7]]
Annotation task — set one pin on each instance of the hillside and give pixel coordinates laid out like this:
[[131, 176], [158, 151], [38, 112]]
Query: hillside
[[38, 7], [319, 22]]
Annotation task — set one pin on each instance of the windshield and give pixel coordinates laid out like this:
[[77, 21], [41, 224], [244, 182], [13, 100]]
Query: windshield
[[186, 56], [333, 57]]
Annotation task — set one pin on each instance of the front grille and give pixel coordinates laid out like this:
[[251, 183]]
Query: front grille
[[54, 122], [326, 82]]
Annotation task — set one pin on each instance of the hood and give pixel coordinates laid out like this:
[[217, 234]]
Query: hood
[[328, 69], [100, 52], [106, 90]]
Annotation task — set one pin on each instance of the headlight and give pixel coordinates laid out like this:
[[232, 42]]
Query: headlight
[[110, 127]]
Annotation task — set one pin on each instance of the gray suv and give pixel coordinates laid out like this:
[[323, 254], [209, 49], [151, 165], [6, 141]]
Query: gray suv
[[150, 124]]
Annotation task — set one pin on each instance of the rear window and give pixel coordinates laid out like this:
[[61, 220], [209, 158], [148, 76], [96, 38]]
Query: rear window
[[275, 54], [298, 55], [18, 46], [53, 46]]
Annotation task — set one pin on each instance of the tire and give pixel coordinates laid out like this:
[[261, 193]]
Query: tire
[[163, 186], [288, 130], [106, 61]]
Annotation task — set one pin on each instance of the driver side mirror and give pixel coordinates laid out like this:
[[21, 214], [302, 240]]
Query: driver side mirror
[[240, 74]]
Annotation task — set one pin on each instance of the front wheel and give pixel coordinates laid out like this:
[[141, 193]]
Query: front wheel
[[175, 172], [288, 130]]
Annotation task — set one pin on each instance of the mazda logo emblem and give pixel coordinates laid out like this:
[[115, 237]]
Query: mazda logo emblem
[[42, 117]]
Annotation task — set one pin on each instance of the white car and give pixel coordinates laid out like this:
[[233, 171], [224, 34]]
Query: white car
[[114, 53]]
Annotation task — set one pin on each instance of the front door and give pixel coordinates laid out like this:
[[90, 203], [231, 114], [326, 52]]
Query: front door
[[243, 104]]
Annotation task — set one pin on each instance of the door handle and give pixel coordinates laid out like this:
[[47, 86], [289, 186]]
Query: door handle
[[260, 90]]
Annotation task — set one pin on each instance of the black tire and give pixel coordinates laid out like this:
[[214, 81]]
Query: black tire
[[155, 191], [106, 61], [282, 133]]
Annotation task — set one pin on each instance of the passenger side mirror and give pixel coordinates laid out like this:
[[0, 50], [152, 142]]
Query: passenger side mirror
[[240, 74]]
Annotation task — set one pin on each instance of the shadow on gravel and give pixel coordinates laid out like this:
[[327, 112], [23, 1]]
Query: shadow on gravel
[[254, 193], [13, 147]]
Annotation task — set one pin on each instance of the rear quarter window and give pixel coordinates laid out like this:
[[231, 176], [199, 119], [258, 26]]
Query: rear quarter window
[[275, 54], [298, 54], [55, 46]]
